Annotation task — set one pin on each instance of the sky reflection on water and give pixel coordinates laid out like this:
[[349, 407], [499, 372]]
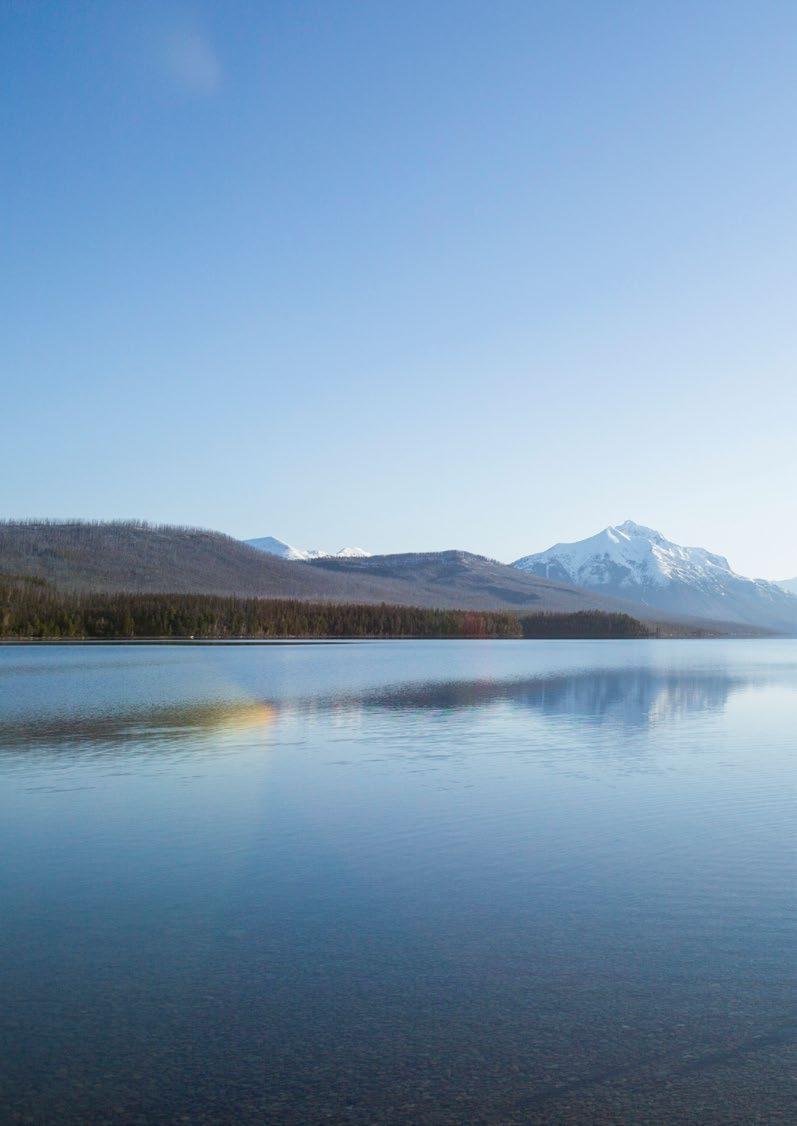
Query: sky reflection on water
[[436, 881]]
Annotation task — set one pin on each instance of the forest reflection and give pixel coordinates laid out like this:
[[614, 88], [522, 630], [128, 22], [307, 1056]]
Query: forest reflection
[[632, 697]]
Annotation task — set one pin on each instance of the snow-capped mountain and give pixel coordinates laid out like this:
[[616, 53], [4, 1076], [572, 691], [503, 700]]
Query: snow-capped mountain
[[274, 546], [634, 562], [789, 585], [286, 551]]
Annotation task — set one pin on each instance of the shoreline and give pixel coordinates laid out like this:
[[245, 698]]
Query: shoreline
[[283, 641]]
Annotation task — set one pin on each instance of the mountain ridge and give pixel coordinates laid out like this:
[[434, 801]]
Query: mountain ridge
[[132, 556], [138, 557], [633, 561], [272, 546]]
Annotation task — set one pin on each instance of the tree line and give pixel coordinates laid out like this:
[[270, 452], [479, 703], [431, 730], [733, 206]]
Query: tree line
[[32, 608]]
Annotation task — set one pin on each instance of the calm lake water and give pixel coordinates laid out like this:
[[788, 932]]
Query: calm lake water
[[436, 882]]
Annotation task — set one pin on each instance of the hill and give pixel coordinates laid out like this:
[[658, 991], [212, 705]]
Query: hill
[[460, 578], [33, 610], [131, 556], [139, 557]]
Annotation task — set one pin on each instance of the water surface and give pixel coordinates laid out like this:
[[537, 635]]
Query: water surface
[[399, 882]]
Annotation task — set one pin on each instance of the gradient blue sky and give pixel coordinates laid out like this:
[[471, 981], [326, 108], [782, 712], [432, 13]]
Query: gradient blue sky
[[407, 275]]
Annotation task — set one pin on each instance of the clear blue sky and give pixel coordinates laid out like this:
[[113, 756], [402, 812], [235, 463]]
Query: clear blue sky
[[407, 275]]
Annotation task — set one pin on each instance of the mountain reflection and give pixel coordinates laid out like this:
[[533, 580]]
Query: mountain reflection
[[635, 696], [146, 725], [631, 697]]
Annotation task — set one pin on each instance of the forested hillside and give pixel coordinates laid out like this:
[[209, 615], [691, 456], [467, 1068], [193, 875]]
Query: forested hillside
[[30, 608], [131, 556], [136, 558]]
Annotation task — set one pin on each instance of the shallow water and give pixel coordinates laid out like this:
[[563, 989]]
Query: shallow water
[[399, 882]]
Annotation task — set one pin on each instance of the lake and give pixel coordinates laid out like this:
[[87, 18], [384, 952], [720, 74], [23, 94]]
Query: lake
[[383, 882]]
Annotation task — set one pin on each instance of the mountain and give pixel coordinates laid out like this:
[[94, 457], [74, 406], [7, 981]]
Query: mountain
[[140, 557], [789, 585], [459, 578], [134, 556], [274, 546], [634, 562]]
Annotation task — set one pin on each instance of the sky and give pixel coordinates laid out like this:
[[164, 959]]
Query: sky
[[409, 276]]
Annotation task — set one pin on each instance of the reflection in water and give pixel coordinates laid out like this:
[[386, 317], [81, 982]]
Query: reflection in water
[[632, 697], [637, 696], [441, 896], [147, 725]]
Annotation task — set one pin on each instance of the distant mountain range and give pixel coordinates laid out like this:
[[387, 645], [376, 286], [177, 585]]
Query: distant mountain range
[[459, 578], [637, 563], [283, 550], [138, 557], [632, 563], [626, 568]]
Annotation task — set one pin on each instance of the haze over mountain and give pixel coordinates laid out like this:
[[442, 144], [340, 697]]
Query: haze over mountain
[[447, 578], [140, 557], [789, 585], [632, 561], [273, 546], [668, 585]]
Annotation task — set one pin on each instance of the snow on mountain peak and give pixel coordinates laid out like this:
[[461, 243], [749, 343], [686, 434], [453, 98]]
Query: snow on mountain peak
[[631, 528], [273, 546], [635, 561]]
